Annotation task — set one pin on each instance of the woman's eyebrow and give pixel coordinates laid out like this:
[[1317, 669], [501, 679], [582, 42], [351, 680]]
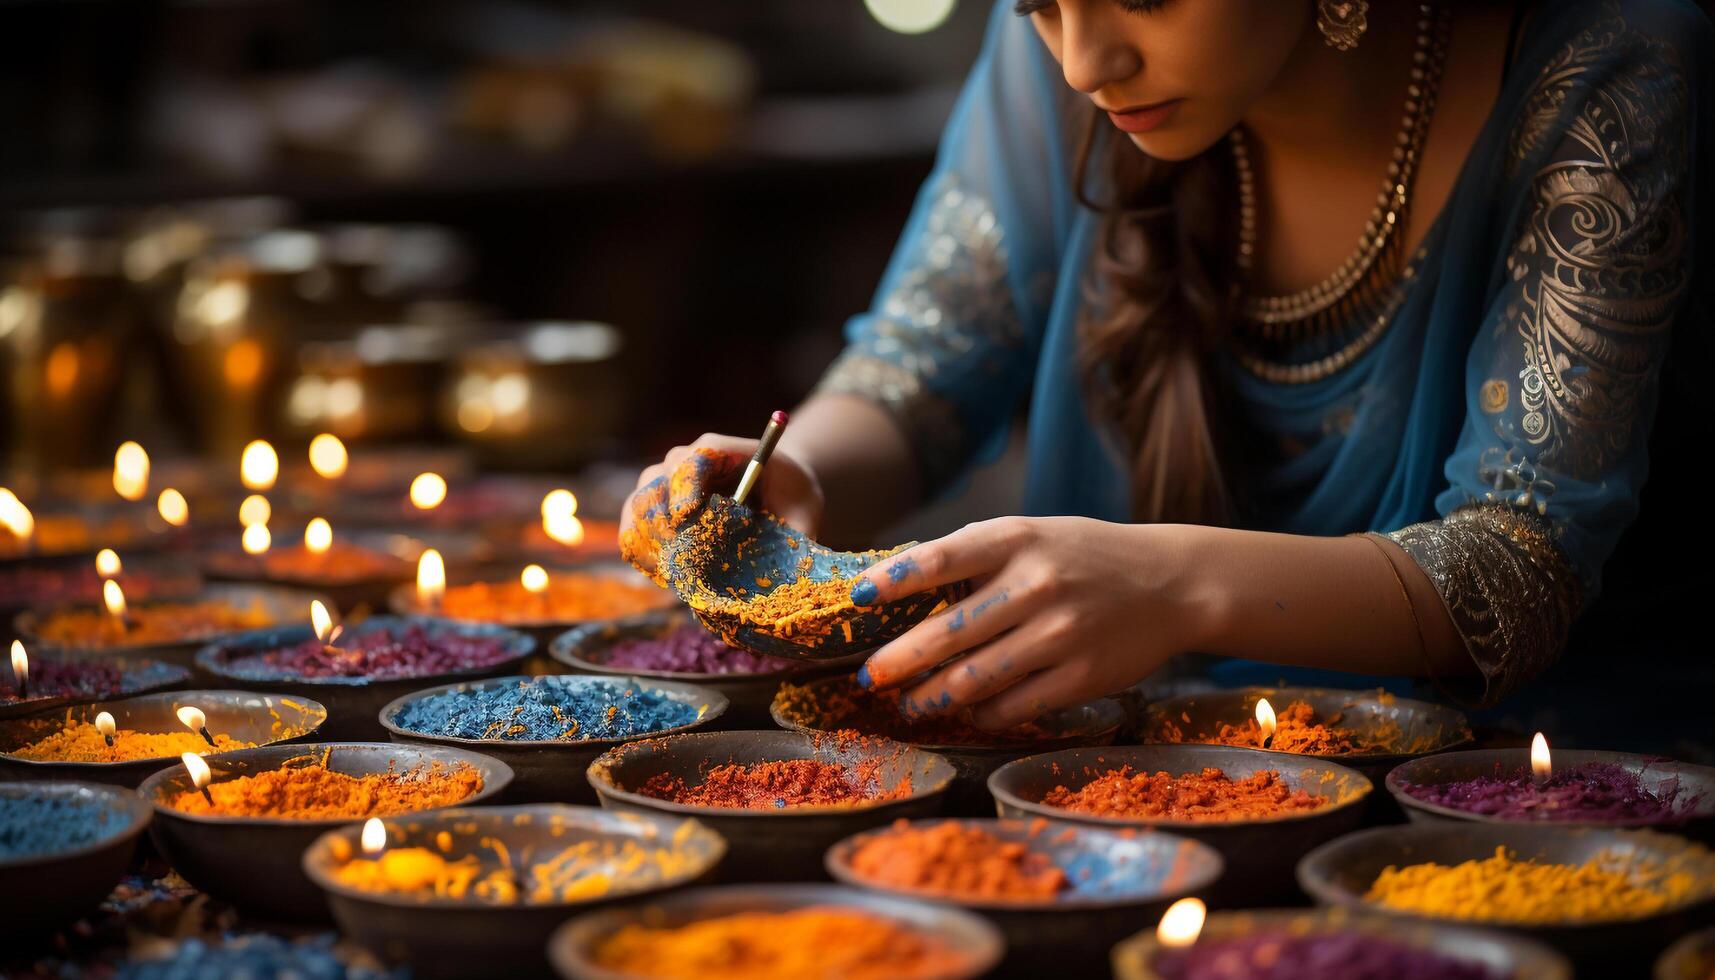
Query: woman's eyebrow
[[1024, 8]]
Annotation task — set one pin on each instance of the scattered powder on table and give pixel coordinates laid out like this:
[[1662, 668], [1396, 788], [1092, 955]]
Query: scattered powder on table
[[1209, 795], [1325, 956], [380, 654], [49, 824], [547, 708], [570, 597], [1504, 889], [689, 649], [779, 785], [161, 622], [1596, 792], [80, 741], [63, 678], [1297, 730], [951, 858], [826, 942], [829, 707], [298, 791]]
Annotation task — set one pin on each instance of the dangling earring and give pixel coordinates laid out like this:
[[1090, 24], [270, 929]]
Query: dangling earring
[[1342, 22]]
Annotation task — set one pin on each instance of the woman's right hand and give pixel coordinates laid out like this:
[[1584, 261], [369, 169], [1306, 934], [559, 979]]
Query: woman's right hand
[[670, 493]]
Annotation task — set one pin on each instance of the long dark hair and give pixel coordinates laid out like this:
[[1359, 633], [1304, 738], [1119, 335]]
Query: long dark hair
[[1161, 304]]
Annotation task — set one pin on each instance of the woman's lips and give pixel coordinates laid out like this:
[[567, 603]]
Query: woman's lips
[[1145, 118]]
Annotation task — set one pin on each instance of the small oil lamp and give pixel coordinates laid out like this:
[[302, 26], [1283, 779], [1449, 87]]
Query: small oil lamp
[[318, 536], [131, 471], [200, 775], [255, 510], [108, 728], [256, 540], [1265, 721], [327, 632], [1541, 765], [535, 581], [259, 467], [107, 563], [192, 718], [173, 508], [328, 456], [427, 491], [1182, 923], [21, 669], [113, 597], [560, 518], [431, 579]]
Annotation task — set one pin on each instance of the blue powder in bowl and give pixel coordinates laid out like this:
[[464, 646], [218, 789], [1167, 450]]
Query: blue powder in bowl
[[553, 708], [257, 955], [33, 825]]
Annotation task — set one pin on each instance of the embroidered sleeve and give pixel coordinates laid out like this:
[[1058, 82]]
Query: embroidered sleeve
[[1563, 374]]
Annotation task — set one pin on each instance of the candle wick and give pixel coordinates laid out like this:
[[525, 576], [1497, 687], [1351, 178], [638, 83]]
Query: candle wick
[[206, 795], [109, 740], [206, 736]]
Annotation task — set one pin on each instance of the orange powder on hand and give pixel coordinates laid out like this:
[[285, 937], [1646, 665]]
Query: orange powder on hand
[[1210, 795], [952, 858]]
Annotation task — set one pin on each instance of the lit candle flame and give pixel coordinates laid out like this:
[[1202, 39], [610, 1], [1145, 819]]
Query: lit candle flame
[[322, 622], [559, 518], [535, 579], [131, 471], [255, 510], [198, 769], [173, 508], [20, 663], [374, 838], [259, 467], [431, 577], [256, 540], [107, 563], [1182, 923], [15, 517], [105, 724], [114, 598], [1541, 765], [328, 456], [427, 491], [192, 717], [1265, 719], [318, 536]]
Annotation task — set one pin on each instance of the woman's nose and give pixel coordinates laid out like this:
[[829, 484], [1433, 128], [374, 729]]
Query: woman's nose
[[1093, 52]]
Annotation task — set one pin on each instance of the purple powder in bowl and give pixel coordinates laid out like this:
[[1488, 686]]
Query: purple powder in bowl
[[1597, 792], [381, 654], [688, 649], [1326, 956]]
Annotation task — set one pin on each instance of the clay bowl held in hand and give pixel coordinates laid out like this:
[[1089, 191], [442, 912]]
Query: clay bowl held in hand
[[255, 862], [263, 719], [1115, 880], [1690, 958], [1503, 955], [132, 676], [1341, 872], [833, 704], [549, 770], [775, 844], [47, 888], [555, 853], [572, 948], [354, 702], [1687, 791], [1387, 730], [736, 564], [586, 649], [260, 605], [1260, 851]]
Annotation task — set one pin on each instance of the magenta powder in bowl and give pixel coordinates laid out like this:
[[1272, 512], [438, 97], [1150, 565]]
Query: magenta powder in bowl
[[688, 649]]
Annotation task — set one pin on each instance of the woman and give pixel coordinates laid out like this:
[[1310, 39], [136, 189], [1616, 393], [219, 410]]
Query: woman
[[1248, 437]]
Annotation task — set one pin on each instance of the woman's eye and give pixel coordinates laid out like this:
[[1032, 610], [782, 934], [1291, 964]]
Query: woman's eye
[[1142, 6]]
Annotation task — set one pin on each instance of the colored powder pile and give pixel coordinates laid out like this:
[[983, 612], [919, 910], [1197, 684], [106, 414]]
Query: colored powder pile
[[31, 825], [827, 942], [830, 707], [255, 955], [569, 597], [80, 741], [380, 654], [778, 785], [547, 708], [1327, 956], [341, 562], [1504, 889], [1210, 795], [583, 870], [297, 791], [63, 679], [951, 858], [1596, 792], [1298, 730], [689, 649], [161, 622]]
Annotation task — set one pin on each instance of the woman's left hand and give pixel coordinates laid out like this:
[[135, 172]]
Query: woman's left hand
[[1062, 609]]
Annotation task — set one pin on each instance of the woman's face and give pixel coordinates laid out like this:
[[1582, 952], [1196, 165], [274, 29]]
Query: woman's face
[[1174, 75]]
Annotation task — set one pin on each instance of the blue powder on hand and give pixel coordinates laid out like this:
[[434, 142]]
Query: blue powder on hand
[[31, 825], [257, 955], [547, 708]]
